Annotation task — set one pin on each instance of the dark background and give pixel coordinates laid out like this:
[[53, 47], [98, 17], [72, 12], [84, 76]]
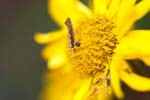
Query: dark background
[[21, 66]]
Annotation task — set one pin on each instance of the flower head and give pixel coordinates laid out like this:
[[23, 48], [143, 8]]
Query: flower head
[[90, 63]]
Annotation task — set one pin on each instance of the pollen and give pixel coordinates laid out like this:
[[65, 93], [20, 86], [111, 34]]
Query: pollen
[[98, 40]]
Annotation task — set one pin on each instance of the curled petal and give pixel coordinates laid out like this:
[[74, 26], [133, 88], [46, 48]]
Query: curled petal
[[134, 81], [115, 76], [127, 18], [136, 44]]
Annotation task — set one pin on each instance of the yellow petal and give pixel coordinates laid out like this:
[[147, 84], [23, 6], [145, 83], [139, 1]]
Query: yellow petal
[[105, 96], [123, 15], [113, 8], [124, 10], [127, 18], [60, 84], [55, 53], [43, 38], [57, 61], [83, 8], [146, 59], [141, 9], [135, 13], [135, 81], [95, 93], [136, 44], [100, 6], [82, 92], [115, 77], [60, 10]]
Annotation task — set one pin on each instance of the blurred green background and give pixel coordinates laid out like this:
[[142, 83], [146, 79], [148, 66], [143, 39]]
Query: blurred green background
[[21, 66]]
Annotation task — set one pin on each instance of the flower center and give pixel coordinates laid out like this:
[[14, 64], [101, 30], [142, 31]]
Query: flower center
[[96, 39]]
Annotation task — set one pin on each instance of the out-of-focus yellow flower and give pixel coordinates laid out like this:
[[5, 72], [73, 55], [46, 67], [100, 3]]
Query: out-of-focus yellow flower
[[106, 41]]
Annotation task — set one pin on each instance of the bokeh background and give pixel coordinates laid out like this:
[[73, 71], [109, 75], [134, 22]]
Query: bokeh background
[[21, 65]]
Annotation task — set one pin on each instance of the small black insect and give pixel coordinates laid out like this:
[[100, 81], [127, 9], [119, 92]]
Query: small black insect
[[71, 34], [77, 44]]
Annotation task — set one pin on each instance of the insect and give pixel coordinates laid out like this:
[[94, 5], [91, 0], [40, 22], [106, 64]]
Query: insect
[[108, 78], [71, 34]]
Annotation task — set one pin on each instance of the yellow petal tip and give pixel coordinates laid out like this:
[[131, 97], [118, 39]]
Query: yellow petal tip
[[57, 62], [41, 38]]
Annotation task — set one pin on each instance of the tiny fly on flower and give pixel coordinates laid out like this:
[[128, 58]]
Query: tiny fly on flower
[[71, 34]]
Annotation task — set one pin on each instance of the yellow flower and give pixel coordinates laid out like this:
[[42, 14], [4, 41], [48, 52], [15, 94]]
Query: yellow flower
[[106, 41]]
